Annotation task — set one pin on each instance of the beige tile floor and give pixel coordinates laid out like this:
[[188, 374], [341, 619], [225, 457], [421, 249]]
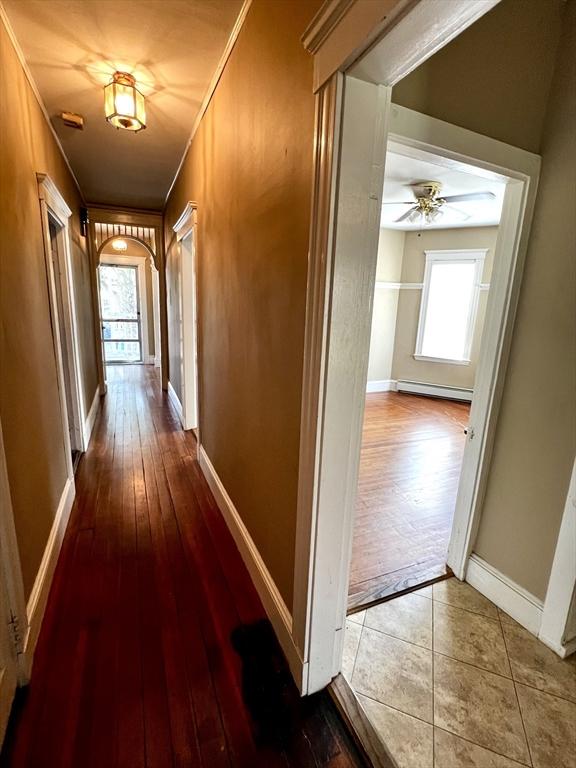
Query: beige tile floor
[[450, 681]]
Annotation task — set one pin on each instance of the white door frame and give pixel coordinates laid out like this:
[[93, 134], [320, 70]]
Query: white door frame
[[13, 614], [141, 263], [349, 171], [461, 148], [53, 206], [186, 237]]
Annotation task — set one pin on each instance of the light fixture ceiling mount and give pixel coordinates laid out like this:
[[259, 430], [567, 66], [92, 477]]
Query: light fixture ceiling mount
[[124, 104]]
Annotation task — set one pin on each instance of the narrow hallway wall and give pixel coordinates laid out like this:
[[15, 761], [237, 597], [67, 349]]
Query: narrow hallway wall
[[249, 169], [29, 400]]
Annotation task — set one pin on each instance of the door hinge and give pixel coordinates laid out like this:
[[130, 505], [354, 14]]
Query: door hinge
[[15, 633]]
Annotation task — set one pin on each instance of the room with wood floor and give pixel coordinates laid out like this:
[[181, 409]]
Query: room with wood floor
[[435, 254]]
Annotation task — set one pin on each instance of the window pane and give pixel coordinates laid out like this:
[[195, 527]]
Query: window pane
[[122, 351], [446, 322], [118, 294], [120, 329]]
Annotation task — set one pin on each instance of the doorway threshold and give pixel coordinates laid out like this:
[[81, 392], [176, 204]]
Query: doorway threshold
[[394, 584], [366, 738]]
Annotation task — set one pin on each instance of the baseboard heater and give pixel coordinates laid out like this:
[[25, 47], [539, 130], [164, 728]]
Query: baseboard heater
[[435, 390]]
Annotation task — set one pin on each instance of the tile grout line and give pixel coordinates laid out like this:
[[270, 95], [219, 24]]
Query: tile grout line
[[444, 730], [516, 693], [470, 664]]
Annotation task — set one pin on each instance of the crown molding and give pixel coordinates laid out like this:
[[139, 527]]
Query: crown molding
[[212, 87], [323, 23], [36, 92]]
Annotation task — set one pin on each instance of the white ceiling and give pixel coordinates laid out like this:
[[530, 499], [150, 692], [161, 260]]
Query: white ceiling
[[403, 170], [172, 47]]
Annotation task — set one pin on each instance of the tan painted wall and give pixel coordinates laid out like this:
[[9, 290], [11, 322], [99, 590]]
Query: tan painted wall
[[29, 402], [388, 269], [536, 438], [404, 365], [250, 171], [495, 79]]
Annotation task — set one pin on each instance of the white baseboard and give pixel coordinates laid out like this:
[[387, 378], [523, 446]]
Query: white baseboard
[[176, 402], [91, 418], [382, 385], [506, 594], [435, 390], [39, 594], [272, 600]]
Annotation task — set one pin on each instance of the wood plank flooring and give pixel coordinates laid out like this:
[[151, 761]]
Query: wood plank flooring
[[155, 651], [410, 463]]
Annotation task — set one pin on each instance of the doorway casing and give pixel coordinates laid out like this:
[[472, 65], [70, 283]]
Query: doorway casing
[[349, 171]]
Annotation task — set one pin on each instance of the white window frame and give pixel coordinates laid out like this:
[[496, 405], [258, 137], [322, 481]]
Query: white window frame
[[141, 263], [478, 255]]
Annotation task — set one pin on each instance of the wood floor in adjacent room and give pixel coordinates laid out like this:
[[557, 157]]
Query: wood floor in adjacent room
[[154, 651], [410, 463]]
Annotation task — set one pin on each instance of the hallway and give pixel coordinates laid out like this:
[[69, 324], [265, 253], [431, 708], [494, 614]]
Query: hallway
[[135, 665]]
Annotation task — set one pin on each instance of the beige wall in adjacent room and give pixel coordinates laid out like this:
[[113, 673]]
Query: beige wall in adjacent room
[[29, 400], [404, 365], [536, 436], [496, 79], [249, 169], [388, 270]]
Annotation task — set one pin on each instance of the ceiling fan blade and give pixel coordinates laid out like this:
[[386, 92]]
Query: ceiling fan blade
[[469, 196], [462, 214], [400, 202], [406, 215]]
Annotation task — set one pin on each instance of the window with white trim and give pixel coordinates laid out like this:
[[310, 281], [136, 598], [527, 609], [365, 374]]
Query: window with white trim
[[449, 305]]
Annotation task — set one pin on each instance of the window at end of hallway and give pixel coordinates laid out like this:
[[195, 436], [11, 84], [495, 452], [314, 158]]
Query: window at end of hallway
[[449, 306]]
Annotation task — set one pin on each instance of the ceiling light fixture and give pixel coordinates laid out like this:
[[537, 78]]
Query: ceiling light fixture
[[124, 104], [119, 245]]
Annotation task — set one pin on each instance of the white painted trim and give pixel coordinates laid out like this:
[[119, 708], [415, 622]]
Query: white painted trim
[[91, 418], [36, 92], [53, 206], [444, 360], [341, 32], [558, 630], [8, 682], [41, 588], [272, 600], [505, 593], [236, 29], [433, 23], [435, 390], [13, 618], [328, 455], [175, 401], [142, 263], [382, 385], [186, 230], [399, 286]]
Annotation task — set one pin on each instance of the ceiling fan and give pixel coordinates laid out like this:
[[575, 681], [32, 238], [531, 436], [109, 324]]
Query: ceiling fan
[[427, 204]]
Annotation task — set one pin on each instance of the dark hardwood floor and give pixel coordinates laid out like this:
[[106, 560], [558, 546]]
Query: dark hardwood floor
[[410, 463], [154, 652]]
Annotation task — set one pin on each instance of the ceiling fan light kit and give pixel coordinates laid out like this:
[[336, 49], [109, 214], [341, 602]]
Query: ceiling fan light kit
[[427, 204]]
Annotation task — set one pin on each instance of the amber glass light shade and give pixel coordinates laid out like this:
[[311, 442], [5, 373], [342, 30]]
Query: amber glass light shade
[[124, 104]]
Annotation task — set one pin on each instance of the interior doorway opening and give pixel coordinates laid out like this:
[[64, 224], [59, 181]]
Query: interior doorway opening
[[128, 292], [436, 244]]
